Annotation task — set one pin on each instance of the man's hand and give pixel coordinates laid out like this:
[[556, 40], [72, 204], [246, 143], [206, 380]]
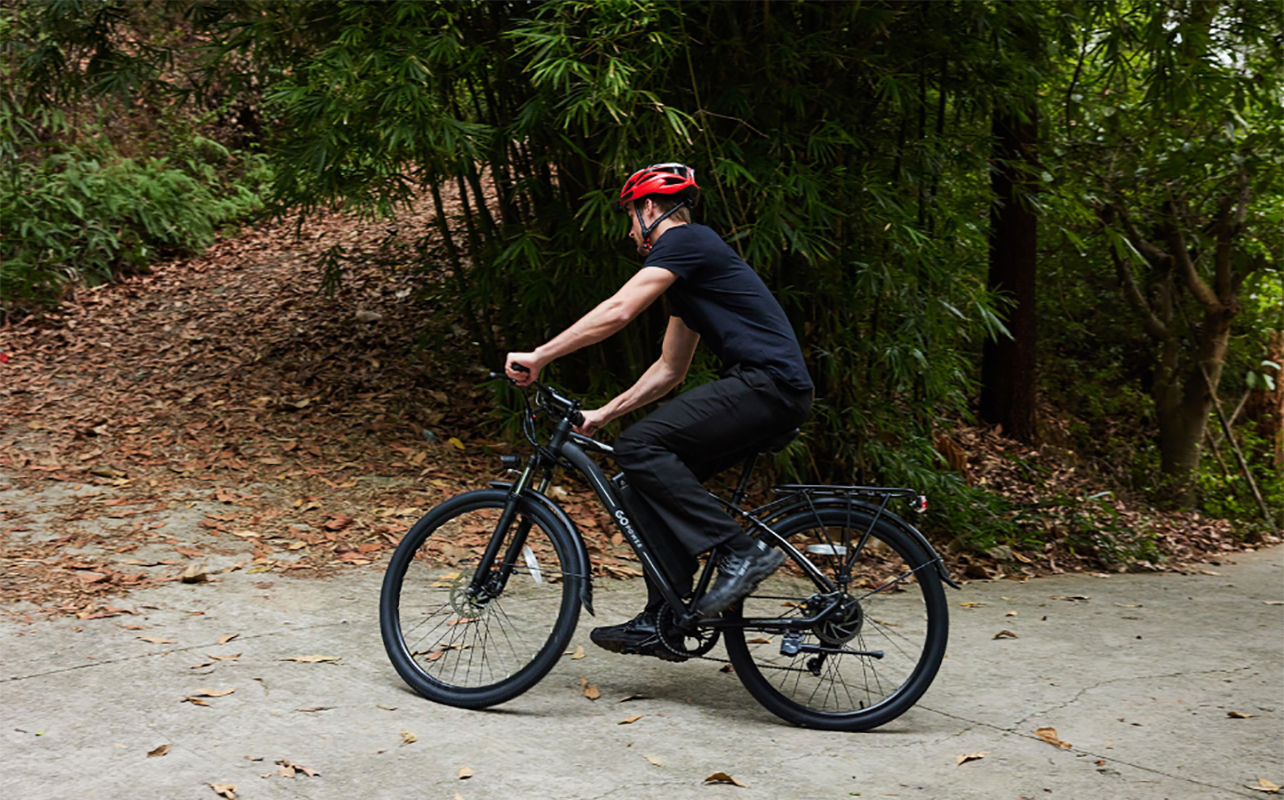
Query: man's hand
[[528, 360], [592, 421]]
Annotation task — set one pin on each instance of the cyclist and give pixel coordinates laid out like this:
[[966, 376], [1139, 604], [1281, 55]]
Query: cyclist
[[764, 389]]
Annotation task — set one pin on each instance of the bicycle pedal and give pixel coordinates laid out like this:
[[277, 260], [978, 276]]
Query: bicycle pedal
[[791, 643]]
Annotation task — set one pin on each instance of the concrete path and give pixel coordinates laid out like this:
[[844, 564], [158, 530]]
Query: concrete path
[[1139, 676]]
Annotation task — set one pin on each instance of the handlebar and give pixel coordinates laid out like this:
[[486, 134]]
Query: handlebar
[[548, 398]]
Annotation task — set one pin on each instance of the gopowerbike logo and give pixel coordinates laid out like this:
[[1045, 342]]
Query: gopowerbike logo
[[624, 522]]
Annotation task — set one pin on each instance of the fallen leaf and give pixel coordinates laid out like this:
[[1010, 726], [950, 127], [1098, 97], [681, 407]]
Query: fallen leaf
[[1006, 634], [408, 738], [1010, 614], [158, 640], [972, 604], [1273, 603], [630, 720], [465, 773], [591, 692], [966, 757], [722, 777], [315, 708], [455, 441], [1073, 598], [461, 621], [160, 751], [227, 790], [196, 701], [654, 761], [213, 692], [1238, 715], [232, 657], [1049, 735], [311, 659], [1264, 785], [226, 639], [195, 574], [288, 768], [202, 665], [578, 654], [758, 640], [629, 697]]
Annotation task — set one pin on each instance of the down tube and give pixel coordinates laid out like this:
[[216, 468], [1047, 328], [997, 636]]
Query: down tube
[[580, 460]]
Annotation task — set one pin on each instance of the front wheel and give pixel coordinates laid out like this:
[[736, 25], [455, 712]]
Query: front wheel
[[864, 665], [471, 650]]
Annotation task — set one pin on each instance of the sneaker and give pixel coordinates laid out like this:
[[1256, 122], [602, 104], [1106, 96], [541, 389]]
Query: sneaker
[[738, 575], [638, 636]]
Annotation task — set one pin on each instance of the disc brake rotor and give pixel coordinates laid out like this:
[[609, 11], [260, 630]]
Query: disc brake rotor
[[459, 600]]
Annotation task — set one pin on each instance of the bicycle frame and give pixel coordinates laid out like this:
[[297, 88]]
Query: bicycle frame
[[568, 449]]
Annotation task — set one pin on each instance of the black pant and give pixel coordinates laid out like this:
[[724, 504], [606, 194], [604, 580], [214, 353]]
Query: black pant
[[667, 456]]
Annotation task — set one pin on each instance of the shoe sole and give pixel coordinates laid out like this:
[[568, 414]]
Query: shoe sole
[[656, 650]]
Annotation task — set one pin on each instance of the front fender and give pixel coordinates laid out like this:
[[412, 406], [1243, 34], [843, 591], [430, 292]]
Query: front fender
[[584, 566], [840, 502]]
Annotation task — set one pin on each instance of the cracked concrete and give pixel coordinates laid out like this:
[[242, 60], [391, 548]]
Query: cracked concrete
[[1139, 679]]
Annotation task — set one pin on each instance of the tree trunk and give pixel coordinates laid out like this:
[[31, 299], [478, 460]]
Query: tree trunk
[[1008, 367]]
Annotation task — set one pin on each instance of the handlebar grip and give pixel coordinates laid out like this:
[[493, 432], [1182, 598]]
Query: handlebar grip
[[576, 418]]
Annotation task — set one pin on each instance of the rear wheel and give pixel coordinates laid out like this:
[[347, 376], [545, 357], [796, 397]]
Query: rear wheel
[[468, 649], [873, 656]]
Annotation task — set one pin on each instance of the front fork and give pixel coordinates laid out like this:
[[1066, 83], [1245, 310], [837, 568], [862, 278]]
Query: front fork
[[488, 583]]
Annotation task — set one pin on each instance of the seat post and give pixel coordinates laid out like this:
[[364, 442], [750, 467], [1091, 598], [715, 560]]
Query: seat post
[[743, 485]]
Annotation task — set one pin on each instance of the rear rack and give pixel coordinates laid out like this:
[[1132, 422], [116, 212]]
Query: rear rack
[[917, 502]]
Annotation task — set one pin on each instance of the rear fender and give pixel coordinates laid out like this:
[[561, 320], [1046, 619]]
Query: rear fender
[[584, 565], [839, 502]]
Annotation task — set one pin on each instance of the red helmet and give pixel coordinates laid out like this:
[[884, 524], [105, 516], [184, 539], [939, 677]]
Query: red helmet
[[673, 178]]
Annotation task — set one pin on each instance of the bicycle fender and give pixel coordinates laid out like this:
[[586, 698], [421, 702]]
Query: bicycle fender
[[909, 530], [581, 550]]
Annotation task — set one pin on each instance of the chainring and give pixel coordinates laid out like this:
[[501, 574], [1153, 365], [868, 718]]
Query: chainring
[[679, 642]]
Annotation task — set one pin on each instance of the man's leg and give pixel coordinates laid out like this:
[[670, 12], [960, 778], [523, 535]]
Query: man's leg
[[663, 455]]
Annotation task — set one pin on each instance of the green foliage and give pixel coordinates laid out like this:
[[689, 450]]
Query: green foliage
[[843, 148], [89, 216]]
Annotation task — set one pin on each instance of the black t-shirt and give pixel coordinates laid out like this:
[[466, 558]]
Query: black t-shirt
[[719, 297]]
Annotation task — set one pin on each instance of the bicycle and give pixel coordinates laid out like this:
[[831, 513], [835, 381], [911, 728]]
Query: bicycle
[[482, 595]]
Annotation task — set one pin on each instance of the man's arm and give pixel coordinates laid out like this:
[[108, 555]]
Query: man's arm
[[610, 316], [659, 379]]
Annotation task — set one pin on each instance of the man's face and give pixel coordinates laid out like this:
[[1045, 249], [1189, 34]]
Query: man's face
[[635, 227]]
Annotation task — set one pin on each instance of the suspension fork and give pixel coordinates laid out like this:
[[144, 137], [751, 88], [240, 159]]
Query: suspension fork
[[483, 582]]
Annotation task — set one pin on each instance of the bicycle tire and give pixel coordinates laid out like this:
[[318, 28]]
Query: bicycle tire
[[781, 683], [430, 569]]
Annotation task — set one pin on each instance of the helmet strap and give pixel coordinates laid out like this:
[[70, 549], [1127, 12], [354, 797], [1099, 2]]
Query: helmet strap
[[646, 229]]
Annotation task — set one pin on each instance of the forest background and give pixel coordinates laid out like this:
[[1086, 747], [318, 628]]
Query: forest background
[[1055, 221]]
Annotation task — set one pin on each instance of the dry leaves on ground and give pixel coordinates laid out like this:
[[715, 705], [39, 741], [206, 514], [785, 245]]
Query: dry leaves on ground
[[1264, 785], [160, 751], [722, 777], [312, 659], [1049, 735], [966, 757], [227, 790], [465, 773], [408, 738], [590, 691], [288, 769]]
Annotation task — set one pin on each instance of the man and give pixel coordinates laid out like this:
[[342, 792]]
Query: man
[[764, 389]]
